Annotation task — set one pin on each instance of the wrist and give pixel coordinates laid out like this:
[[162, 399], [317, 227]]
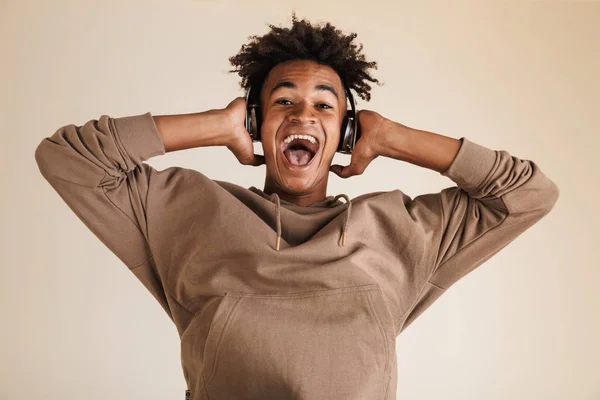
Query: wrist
[[227, 126], [201, 129], [392, 136]]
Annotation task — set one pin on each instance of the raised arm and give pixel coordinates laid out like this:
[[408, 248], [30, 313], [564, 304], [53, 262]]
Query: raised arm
[[497, 197], [98, 169]]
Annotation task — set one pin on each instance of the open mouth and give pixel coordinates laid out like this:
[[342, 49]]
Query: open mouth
[[299, 150]]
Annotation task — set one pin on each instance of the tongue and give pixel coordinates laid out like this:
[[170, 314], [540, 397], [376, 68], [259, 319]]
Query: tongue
[[298, 157]]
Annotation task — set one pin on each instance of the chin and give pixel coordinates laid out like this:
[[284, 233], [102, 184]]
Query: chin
[[297, 180], [297, 185]]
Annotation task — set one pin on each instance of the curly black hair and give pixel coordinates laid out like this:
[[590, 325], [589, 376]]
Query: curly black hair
[[322, 43]]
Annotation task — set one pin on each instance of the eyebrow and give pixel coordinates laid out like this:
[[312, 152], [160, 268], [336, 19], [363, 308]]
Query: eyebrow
[[292, 85]]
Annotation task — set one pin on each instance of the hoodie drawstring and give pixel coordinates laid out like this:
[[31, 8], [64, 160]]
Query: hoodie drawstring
[[341, 241], [278, 213]]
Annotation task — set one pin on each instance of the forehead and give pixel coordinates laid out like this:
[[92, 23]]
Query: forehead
[[306, 74]]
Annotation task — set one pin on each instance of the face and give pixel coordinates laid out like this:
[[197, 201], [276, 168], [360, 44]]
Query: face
[[303, 105]]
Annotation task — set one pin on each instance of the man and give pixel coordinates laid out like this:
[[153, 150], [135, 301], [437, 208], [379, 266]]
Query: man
[[286, 292]]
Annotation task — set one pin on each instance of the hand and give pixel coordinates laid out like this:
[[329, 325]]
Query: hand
[[240, 143], [366, 148]]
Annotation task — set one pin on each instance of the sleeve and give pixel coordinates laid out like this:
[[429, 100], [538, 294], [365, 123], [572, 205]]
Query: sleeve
[[496, 198], [98, 170]]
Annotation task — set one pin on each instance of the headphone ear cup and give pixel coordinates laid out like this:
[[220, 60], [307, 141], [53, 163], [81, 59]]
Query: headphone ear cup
[[350, 130], [253, 115], [347, 132], [254, 129], [258, 118], [252, 118], [343, 133], [249, 122]]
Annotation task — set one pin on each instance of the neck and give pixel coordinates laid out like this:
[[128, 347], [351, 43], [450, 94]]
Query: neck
[[300, 199]]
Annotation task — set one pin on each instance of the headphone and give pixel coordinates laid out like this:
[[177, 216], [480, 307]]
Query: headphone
[[349, 134]]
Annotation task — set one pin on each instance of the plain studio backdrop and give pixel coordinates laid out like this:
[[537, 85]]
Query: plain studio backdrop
[[516, 76]]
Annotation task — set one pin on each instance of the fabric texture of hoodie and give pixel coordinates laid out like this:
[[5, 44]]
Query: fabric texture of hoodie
[[277, 301]]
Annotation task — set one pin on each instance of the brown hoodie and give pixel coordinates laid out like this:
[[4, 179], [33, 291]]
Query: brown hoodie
[[316, 318]]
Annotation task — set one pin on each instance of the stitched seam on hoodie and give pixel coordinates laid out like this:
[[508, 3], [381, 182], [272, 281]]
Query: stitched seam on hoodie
[[124, 213], [218, 348], [469, 245], [165, 287], [308, 294], [441, 232], [204, 386], [437, 286], [142, 264], [163, 284], [409, 309], [486, 179], [385, 340]]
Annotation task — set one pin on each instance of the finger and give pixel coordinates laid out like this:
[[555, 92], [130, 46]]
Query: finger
[[342, 172], [350, 170], [258, 160], [357, 166], [244, 158], [252, 159], [360, 161], [336, 169]]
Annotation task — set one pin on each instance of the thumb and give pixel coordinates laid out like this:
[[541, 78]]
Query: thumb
[[339, 170], [258, 160], [250, 159]]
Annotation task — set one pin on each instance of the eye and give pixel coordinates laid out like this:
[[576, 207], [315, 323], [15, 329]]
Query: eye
[[327, 106]]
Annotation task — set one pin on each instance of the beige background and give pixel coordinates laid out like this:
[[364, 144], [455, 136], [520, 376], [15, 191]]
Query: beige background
[[518, 76]]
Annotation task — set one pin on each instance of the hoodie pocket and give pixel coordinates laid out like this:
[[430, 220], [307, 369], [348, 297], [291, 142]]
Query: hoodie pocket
[[334, 344]]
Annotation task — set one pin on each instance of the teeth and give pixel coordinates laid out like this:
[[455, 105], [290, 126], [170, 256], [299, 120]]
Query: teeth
[[306, 137]]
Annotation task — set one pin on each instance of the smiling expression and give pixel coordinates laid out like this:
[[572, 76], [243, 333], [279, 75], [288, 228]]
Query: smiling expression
[[303, 105]]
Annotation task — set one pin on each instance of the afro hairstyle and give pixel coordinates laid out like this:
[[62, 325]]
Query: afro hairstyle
[[322, 43]]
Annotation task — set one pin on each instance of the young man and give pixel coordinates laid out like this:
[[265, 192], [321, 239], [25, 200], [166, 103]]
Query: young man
[[285, 292]]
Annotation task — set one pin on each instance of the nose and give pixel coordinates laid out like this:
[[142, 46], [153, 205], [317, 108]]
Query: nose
[[302, 113]]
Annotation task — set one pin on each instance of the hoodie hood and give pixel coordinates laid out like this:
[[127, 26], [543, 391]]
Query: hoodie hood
[[329, 202]]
